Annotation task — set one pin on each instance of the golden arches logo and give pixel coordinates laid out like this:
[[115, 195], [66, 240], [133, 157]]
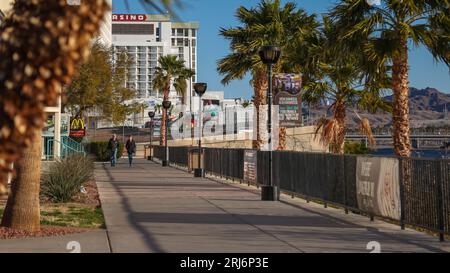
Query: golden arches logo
[[75, 125]]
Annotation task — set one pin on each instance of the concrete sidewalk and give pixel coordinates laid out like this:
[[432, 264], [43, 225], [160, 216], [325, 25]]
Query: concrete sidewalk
[[153, 209]]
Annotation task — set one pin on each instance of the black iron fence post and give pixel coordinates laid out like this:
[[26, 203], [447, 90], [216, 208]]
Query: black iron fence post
[[344, 184], [440, 201], [401, 163]]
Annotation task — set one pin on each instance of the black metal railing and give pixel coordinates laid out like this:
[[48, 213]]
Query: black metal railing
[[425, 193], [331, 179], [228, 163]]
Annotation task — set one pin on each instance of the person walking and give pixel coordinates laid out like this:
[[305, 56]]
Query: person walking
[[131, 149], [113, 147]]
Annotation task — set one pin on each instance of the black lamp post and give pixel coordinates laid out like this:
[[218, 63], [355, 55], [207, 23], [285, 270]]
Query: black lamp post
[[166, 105], [269, 55], [151, 115], [200, 89]]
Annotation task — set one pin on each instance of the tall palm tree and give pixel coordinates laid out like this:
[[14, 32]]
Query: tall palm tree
[[268, 23], [333, 74], [170, 69], [384, 33], [41, 49], [181, 84]]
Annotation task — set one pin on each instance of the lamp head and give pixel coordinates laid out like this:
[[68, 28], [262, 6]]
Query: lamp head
[[167, 104], [200, 88], [269, 54], [151, 114]]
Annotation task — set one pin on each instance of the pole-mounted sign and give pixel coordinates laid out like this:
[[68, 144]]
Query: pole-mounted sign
[[288, 98], [77, 128]]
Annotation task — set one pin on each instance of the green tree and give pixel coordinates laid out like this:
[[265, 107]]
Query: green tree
[[384, 33], [333, 74], [268, 23], [170, 69], [101, 86]]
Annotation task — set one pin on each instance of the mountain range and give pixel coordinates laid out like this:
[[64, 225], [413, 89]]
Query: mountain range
[[427, 108]]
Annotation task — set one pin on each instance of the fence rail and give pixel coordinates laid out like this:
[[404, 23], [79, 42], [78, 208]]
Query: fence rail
[[424, 184]]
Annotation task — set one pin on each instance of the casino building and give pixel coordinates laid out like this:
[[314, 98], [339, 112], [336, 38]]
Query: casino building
[[146, 38]]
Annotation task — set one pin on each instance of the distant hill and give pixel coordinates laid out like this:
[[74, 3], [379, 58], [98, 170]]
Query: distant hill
[[427, 107], [428, 99]]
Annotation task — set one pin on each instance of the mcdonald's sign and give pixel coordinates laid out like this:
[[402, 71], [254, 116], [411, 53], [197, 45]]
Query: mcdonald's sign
[[77, 128]]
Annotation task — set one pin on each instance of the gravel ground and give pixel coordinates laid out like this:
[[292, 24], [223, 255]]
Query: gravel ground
[[91, 198], [46, 231]]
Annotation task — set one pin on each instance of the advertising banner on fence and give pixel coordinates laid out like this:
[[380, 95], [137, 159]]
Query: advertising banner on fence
[[250, 163], [377, 186]]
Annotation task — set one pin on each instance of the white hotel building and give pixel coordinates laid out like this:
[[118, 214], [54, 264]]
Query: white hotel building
[[148, 37]]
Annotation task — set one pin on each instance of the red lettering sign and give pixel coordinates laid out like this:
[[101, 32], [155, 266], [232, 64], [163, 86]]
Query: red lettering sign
[[129, 17]]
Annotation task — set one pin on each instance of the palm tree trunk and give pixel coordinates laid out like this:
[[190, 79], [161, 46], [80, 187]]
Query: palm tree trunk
[[22, 208], [400, 119], [3, 183], [339, 116], [260, 85], [163, 121], [282, 139]]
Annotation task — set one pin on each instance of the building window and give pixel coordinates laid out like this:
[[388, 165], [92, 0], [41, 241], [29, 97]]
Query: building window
[[194, 32], [173, 41], [173, 32], [186, 32], [180, 32], [180, 42], [194, 42], [133, 29]]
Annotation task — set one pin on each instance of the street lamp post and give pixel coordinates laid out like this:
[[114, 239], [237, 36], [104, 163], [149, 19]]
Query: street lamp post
[[200, 89], [269, 55], [151, 115], [166, 105]]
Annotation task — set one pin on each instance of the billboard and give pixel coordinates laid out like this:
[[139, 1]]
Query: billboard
[[65, 124], [287, 93], [377, 186], [211, 109]]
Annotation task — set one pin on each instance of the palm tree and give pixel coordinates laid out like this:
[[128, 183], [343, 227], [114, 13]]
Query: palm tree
[[45, 54], [268, 23], [181, 84], [170, 68], [335, 75], [382, 33]]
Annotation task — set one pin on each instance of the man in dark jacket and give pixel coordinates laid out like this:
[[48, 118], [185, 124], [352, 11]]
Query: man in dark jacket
[[131, 149], [113, 147]]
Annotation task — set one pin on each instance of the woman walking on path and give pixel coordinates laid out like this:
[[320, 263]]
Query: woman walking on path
[[131, 149], [113, 146]]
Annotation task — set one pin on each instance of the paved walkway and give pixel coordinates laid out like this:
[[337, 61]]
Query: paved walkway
[[153, 209]]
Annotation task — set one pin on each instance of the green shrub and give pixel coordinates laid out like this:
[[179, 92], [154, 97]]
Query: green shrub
[[65, 178], [101, 152], [356, 148]]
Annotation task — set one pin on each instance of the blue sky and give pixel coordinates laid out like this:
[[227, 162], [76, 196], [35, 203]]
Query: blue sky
[[214, 14]]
